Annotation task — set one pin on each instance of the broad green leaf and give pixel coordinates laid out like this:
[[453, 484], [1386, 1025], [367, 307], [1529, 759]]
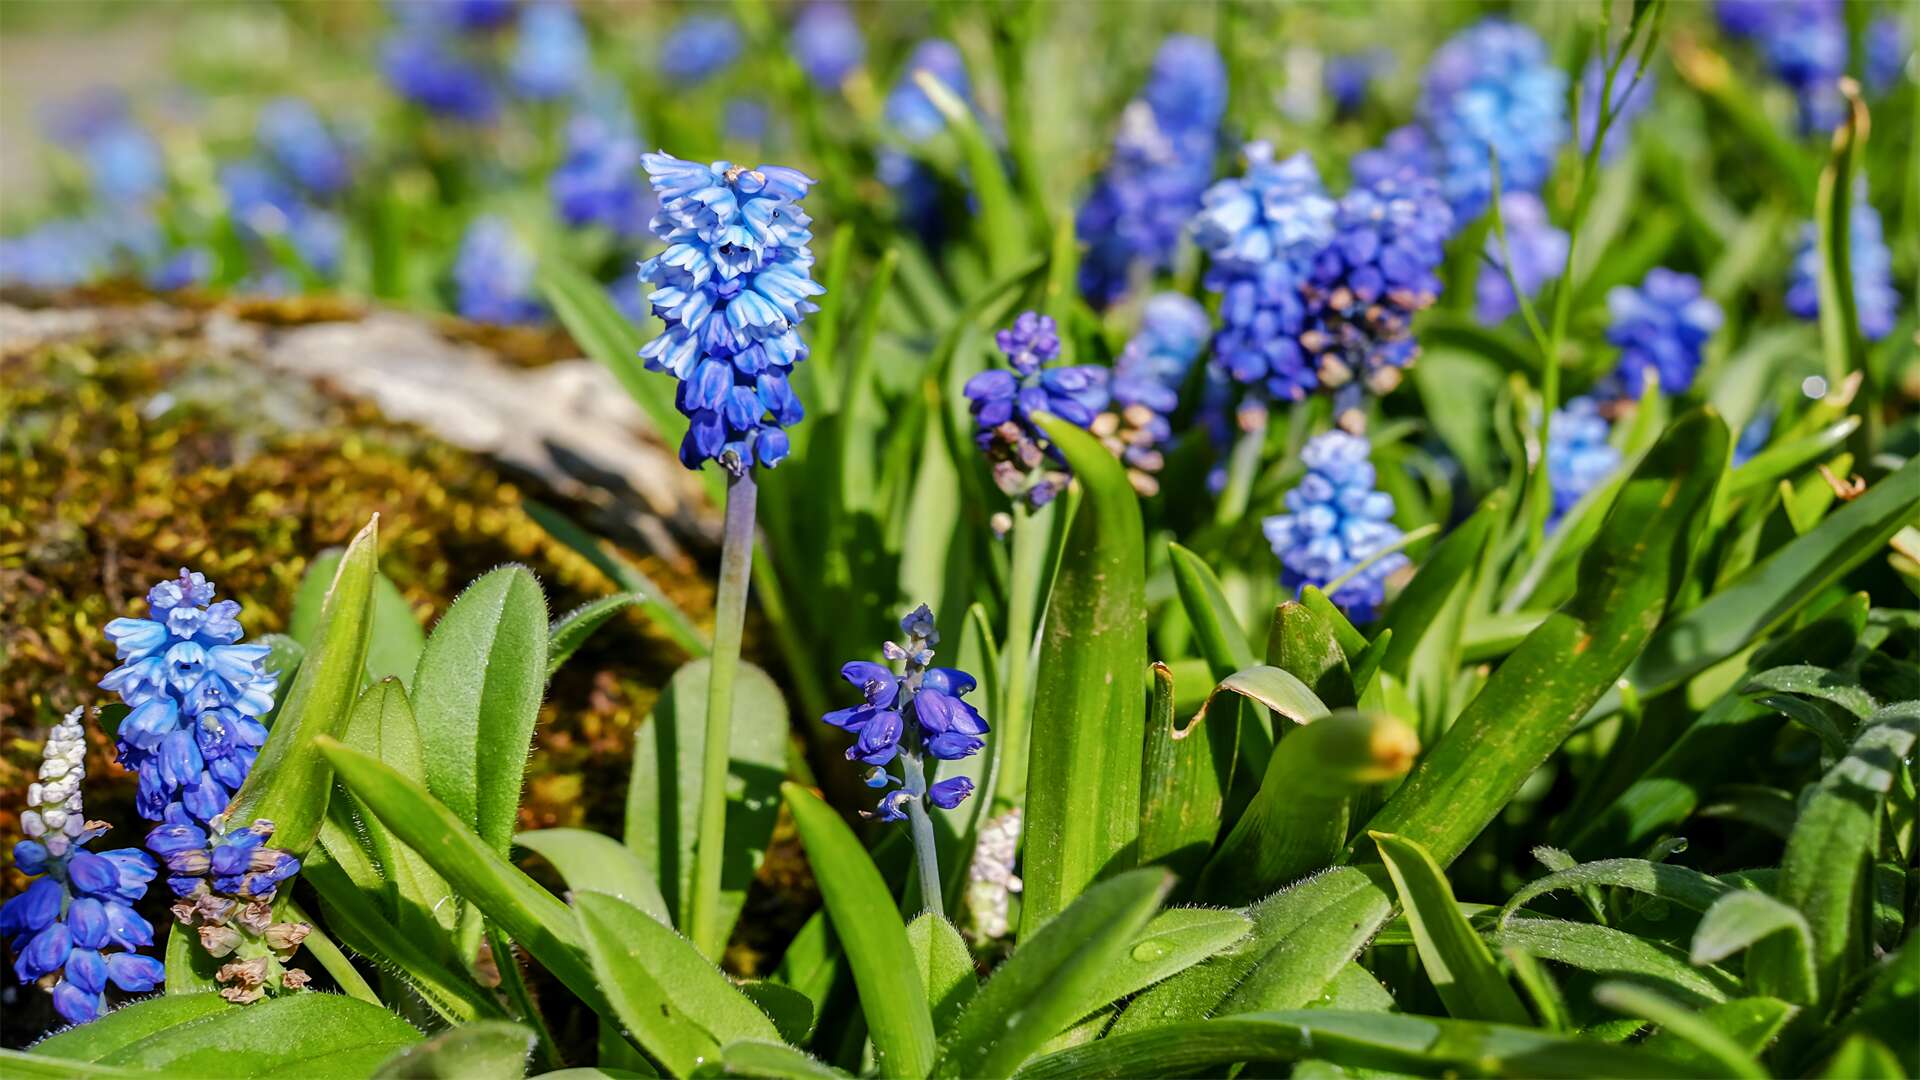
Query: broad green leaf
[[1172, 941], [1053, 978], [1456, 961], [672, 1000], [1357, 1040], [492, 1050], [1807, 680], [1740, 920], [477, 873], [1886, 1009], [1297, 821], [303, 620], [768, 1061], [1276, 688], [1737, 615], [607, 337], [661, 609], [792, 1012], [1606, 951], [1302, 937], [862, 910], [418, 900], [1182, 785], [1750, 1022], [20, 1065], [571, 630], [190, 970], [663, 793], [591, 862], [1537, 696], [476, 697], [1356, 990], [945, 965], [1428, 617], [394, 649], [290, 781], [1352, 641], [1089, 712], [316, 1035], [1841, 341], [1304, 646], [1690, 889], [1721, 1052], [1863, 1057], [1216, 630]]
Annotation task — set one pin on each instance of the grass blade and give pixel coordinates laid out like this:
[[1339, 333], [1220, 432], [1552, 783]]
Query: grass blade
[[1456, 961], [1183, 783], [1722, 1054], [592, 862]]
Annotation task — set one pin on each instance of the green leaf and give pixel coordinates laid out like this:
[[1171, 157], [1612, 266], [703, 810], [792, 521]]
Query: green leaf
[[492, 1050], [665, 614], [394, 649], [1863, 1057], [1750, 1022], [1690, 889], [418, 900], [477, 696], [1739, 614], [606, 336], [945, 965], [1305, 645], [1840, 337], [1005, 233], [663, 794], [1456, 961], [571, 630], [672, 1000], [1053, 978], [892, 997], [1761, 472], [1740, 920], [1276, 688], [1216, 630], [1089, 718], [1537, 697], [1720, 1052], [591, 862], [1606, 951], [1807, 680], [1297, 821], [190, 969], [791, 1011], [290, 781], [1182, 785], [1172, 941], [303, 620], [1887, 1007], [768, 1061], [1357, 1040], [306, 1035], [1429, 616], [18, 1065]]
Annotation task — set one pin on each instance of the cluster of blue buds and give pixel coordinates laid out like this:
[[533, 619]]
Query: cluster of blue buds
[[1805, 43], [124, 163], [1262, 232], [1025, 464], [283, 192], [732, 288], [910, 713], [1579, 456], [1539, 253], [1871, 264], [700, 47], [224, 884], [1162, 161], [74, 930], [450, 58], [1146, 383], [1493, 90], [1632, 93], [1889, 51], [1349, 78], [552, 57], [913, 114], [427, 64], [827, 43], [297, 140], [197, 695], [493, 275], [65, 252], [1335, 521], [598, 183], [1367, 283], [1662, 327]]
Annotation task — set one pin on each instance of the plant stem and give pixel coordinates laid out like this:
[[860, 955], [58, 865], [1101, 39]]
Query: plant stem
[[730, 611], [1032, 532], [926, 856]]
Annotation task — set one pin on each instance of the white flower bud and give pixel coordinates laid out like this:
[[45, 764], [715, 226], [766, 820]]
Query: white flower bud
[[31, 824]]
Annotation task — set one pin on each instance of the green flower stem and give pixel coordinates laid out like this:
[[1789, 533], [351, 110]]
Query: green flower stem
[[1032, 532], [730, 611], [926, 856]]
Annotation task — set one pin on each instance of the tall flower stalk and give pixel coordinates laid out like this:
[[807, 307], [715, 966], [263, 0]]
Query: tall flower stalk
[[732, 288]]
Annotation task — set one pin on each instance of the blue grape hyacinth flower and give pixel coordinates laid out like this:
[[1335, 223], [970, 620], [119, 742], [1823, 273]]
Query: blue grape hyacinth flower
[[1162, 162], [197, 695], [1146, 381], [599, 181], [1804, 43], [427, 68], [552, 57], [493, 275], [1662, 327], [1261, 232], [700, 47], [908, 714], [1364, 287], [302, 145], [1874, 296], [908, 109], [263, 204], [733, 286], [1025, 464], [74, 928], [1889, 51], [1539, 253], [1349, 78], [225, 880], [1335, 521], [1493, 89], [1579, 456], [827, 42]]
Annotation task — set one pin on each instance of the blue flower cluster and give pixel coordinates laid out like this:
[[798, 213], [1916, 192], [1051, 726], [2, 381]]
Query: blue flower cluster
[[911, 113], [916, 713], [1348, 79], [1874, 296], [1579, 456], [1162, 161], [1539, 254], [700, 47], [598, 183], [1025, 465], [225, 882], [1805, 43], [1146, 384], [732, 287], [1364, 287], [300, 143], [552, 57], [1889, 51], [493, 275], [1262, 232], [265, 205], [65, 252], [1492, 89], [1630, 99], [430, 67], [197, 695], [124, 163], [74, 928], [1335, 521], [827, 42], [1662, 327], [447, 58]]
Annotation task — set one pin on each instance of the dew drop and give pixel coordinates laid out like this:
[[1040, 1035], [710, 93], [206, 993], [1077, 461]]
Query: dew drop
[[1148, 951]]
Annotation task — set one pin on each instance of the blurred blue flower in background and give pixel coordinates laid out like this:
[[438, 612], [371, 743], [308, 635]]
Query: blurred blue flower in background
[[828, 43], [1754, 436], [1874, 296], [599, 182], [1579, 456], [1146, 382], [551, 55], [908, 108], [300, 143], [746, 119], [1539, 253], [1025, 464], [1162, 161], [125, 164], [1335, 521], [1405, 152], [493, 275], [733, 286], [1493, 88], [181, 269], [426, 68], [264, 205], [65, 252], [1663, 327], [1349, 78], [1630, 99], [700, 47], [1889, 50], [1804, 43]]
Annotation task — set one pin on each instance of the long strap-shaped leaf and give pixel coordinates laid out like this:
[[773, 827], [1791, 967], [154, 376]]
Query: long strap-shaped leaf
[[1458, 963], [870, 930]]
